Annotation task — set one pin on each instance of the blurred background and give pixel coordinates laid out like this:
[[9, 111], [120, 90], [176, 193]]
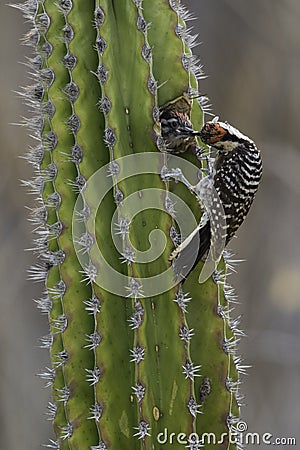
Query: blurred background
[[251, 55]]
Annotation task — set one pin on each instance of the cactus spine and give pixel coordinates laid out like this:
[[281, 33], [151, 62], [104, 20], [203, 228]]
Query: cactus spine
[[126, 365]]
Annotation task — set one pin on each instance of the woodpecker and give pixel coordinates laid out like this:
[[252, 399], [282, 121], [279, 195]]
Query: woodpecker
[[176, 126], [235, 177]]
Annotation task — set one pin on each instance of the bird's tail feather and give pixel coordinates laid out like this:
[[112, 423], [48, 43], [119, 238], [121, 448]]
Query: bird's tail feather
[[195, 250]]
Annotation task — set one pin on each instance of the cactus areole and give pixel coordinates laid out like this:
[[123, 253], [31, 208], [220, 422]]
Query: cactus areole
[[138, 359]]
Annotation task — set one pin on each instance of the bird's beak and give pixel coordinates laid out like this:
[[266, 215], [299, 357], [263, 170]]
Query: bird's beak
[[188, 131]]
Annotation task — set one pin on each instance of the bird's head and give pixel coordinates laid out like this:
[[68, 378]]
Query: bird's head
[[222, 136]]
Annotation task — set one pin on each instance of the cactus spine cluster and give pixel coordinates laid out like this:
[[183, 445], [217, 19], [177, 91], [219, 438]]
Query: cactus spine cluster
[[128, 368]]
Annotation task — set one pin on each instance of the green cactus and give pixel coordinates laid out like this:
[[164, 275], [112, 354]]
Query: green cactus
[[135, 357]]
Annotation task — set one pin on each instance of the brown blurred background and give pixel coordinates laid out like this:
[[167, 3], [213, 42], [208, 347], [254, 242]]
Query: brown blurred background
[[251, 54]]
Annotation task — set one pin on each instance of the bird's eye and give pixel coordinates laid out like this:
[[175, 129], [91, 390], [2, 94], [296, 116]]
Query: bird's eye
[[173, 123]]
